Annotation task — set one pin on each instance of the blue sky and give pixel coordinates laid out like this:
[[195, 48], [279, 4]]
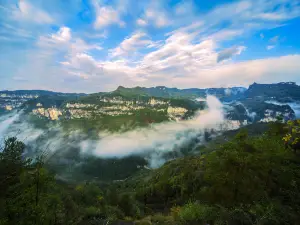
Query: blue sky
[[97, 45]]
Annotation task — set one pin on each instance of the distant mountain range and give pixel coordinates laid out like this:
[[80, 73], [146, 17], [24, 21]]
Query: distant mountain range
[[127, 108], [279, 91]]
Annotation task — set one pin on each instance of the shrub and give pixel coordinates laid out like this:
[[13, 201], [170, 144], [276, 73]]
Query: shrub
[[196, 213], [159, 219], [143, 222]]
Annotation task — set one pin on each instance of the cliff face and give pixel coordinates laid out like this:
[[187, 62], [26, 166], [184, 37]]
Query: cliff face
[[261, 102], [50, 113], [109, 106]]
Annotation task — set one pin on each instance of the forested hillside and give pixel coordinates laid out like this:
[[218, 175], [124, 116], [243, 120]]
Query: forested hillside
[[245, 180]]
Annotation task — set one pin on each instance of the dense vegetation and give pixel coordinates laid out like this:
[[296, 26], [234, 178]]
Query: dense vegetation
[[245, 180]]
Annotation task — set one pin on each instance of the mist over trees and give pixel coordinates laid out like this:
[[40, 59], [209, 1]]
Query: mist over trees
[[246, 180]]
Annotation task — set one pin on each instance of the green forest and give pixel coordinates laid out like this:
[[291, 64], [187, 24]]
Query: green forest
[[246, 180]]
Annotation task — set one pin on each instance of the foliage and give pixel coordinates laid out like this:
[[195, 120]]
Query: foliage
[[292, 137], [160, 219], [247, 180], [244, 180], [197, 213]]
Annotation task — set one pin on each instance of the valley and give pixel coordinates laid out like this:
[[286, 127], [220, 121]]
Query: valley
[[153, 124]]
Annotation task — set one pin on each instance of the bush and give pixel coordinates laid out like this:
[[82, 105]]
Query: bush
[[196, 213], [159, 219], [92, 211], [113, 213], [143, 222]]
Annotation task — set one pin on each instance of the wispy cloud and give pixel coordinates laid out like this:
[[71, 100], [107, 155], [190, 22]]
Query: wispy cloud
[[25, 11], [230, 52], [131, 44], [274, 40]]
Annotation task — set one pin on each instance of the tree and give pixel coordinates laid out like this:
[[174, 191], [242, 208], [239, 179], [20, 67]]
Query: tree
[[11, 164], [247, 175], [292, 136]]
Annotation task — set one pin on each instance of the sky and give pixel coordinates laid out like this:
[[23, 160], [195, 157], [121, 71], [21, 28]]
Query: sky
[[97, 45]]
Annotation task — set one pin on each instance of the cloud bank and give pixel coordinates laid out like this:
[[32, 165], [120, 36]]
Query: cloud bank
[[152, 142]]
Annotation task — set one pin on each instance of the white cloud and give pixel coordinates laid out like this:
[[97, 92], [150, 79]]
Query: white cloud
[[225, 34], [141, 22], [107, 15], [131, 44], [25, 11], [269, 47], [230, 52], [159, 18], [72, 57], [243, 17], [83, 64], [244, 73], [63, 35], [12, 30], [186, 56], [158, 139], [184, 8], [262, 36], [102, 35]]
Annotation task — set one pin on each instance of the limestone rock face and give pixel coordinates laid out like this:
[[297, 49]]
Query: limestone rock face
[[176, 110], [54, 113], [8, 107], [50, 113]]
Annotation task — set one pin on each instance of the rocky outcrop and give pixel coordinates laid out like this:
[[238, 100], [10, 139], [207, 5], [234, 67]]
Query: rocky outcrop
[[154, 102], [8, 107], [176, 112], [50, 113]]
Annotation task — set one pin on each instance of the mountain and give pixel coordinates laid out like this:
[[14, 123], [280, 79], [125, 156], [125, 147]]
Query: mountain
[[112, 111], [15, 99], [157, 150], [191, 93], [128, 108], [282, 92]]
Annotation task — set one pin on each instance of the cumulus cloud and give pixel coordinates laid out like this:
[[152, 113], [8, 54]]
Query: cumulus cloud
[[78, 60], [107, 15], [63, 35], [182, 63], [156, 15]]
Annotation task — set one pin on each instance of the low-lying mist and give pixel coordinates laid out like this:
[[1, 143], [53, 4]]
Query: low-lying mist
[[294, 105], [151, 143]]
